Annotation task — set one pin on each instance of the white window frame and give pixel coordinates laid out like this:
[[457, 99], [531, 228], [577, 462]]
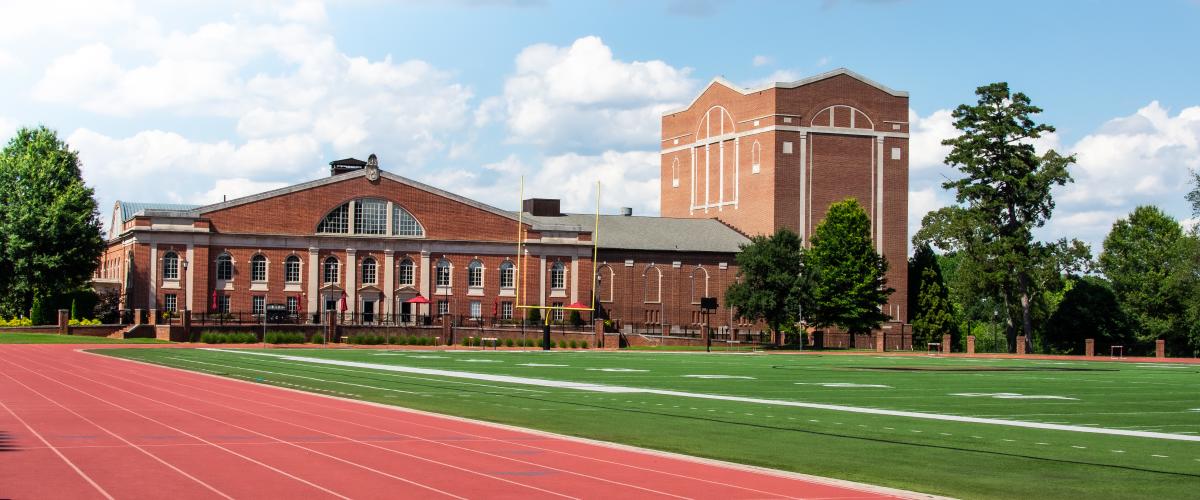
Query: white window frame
[[506, 310], [258, 304], [255, 262], [337, 221], [371, 216], [444, 269], [475, 271], [224, 267], [373, 265], [508, 274], [476, 309], [407, 277], [558, 276], [171, 266], [293, 305], [288, 264], [657, 281], [331, 263], [170, 302]]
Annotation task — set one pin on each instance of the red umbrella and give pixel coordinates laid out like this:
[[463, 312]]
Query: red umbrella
[[418, 300], [343, 304], [578, 305], [495, 307], [213, 307]]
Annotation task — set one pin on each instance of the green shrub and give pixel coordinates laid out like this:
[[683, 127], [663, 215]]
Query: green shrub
[[573, 344], [583, 344], [562, 344], [211, 337], [532, 343], [576, 319], [317, 338], [508, 342], [285, 337], [367, 339]]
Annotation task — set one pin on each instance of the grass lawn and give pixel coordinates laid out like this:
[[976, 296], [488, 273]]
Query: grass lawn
[[44, 338], [961, 459]]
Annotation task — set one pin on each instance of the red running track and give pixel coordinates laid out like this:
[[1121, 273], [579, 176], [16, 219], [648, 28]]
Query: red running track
[[78, 425]]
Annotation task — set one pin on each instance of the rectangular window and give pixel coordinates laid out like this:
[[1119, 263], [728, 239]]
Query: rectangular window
[[257, 304], [787, 147], [443, 276], [368, 272], [557, 314], [293, 305], [169, 302], [507, 274], [292, 270], [506, 310], [223, 304], [171, 267], [443, 307], [370, 217], [330, 304], [258, 269], [476, 309], [406, 274]]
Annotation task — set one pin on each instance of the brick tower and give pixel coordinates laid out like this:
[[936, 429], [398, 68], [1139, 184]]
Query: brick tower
[[777, 156]]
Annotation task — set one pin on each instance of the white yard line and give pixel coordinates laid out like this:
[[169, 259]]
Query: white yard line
[[583, 386]]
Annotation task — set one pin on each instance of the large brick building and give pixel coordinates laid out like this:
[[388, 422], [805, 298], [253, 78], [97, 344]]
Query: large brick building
[[777, 157], [734, 162]]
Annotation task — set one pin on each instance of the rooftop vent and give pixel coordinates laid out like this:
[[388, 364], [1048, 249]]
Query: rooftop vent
[[542, 207], [627, 211], [345, 165]]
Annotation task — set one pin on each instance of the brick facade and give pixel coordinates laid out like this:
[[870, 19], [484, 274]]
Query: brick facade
[[778, 156]]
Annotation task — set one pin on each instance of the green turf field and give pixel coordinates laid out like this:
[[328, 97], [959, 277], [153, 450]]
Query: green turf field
[[961, 459], [45, 338]]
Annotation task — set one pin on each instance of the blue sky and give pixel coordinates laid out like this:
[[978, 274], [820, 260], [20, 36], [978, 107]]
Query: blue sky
[[189, 102]]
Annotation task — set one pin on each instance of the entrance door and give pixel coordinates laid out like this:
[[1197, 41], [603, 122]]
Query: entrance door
[[405, 312], [368, 311]]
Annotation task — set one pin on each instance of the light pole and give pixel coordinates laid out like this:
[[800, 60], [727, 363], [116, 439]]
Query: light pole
[[186, 288]]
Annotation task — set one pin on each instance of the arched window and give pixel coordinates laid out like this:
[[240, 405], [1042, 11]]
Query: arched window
[[404, 224], [605, 279], [368, 271], [442, 273], [330, 270], [258, 268], [224, 267], [755, 157], [407, 277], [337, 221], [653, 291], [508, 273], [370, 216], [675, 173], [699, 284], [842, 116], [170, 266], [558, 276], [291, 269], [475, 274]]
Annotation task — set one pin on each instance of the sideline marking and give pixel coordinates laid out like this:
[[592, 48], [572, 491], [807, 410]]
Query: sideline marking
[[622, 370], [719, 377], [584, 386], [1009, 395], [844, 384], [538, 364]]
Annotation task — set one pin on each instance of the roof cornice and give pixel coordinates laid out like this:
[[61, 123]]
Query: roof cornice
[[787, 85]]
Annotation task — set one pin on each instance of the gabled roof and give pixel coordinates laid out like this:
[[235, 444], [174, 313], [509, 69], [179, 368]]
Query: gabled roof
[[648, 233], [788, 85], [197, 211], [130, 209]]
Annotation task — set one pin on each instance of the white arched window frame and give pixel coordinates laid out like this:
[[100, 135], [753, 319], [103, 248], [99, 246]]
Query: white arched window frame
[[826, 117], [755, 157], [675, 173], [337, 221], [605, 283], [370, 216], [330, 271], [558, 276], [224, 267], [653, 285], [475, 274], [508, 274], [407, 274], [369, 271], [404, 224], [291, 269], [442, 273], [699, 284], [258, 268], [170, 266]]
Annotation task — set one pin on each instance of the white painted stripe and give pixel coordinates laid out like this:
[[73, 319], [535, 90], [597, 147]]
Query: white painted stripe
[[583, 386], [57, 452]]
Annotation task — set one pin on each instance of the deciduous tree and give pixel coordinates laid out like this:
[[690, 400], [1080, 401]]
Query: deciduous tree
[[772, 285], [849, 277]]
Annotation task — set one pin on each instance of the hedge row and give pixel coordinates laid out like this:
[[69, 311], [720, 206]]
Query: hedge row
[[273, 337], [528, 342], [375, 339]]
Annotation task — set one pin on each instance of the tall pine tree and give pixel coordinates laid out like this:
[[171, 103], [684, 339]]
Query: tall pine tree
[[933, 315]]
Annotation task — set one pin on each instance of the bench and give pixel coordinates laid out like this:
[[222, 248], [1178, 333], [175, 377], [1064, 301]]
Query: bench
[[484, 342]]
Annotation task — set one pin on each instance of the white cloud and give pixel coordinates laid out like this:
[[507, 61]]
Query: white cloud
[[925, 138], [580, 97], [7, 129], [228, 189], [304, 11], [824, 61], [761, 60], [628, 179]]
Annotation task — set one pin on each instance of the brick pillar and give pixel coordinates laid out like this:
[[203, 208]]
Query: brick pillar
[[666, 330], [879, 341], [331, 327], [599, 327], [187, 324], [970, 345], [64, 322], [946, 343], [154, 316], [1089, 347], [1020, 344], [1160, 348], [137, 316]]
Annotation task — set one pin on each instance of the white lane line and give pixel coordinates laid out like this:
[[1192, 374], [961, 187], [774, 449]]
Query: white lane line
[[181, 431], [295, 376], [718, 377], [1160, 456], [820, 406], [251, 431], [57, 452]]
